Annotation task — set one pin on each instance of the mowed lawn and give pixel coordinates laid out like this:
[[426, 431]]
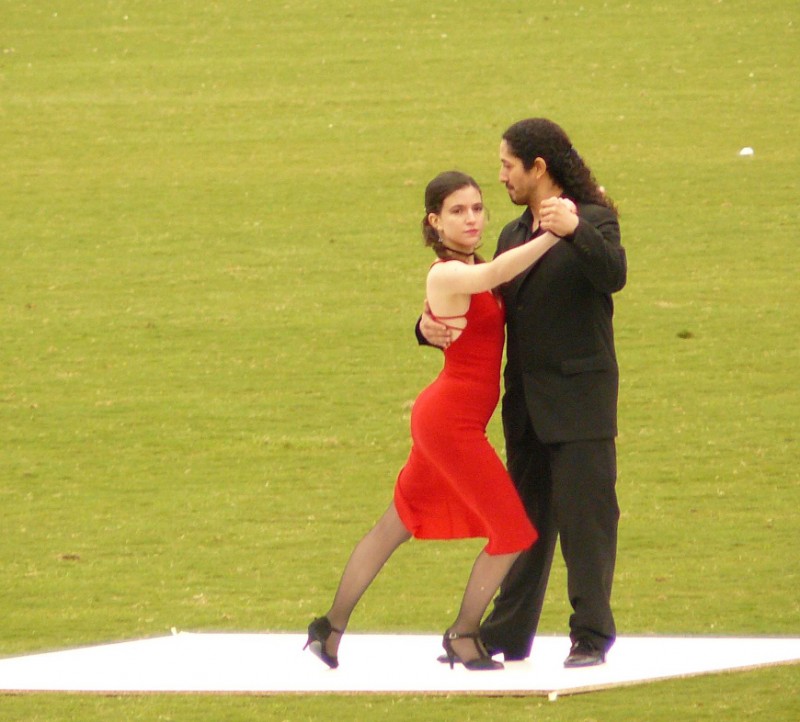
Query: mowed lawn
[[210, 269]]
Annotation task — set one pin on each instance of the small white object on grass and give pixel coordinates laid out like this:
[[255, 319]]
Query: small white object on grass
[[747, 150], [552, 697]]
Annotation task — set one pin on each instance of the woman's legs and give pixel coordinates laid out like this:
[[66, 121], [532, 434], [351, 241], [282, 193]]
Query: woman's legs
[[373, 551], [366, 560], [488, 572]]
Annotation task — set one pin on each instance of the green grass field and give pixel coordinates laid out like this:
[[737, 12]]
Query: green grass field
[[210, 269]]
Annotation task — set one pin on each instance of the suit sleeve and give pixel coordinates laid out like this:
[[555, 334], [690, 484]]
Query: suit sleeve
[[600, 254], [421, 340]]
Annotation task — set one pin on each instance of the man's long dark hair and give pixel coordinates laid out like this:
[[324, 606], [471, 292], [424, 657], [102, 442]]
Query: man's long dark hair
[[541, 138]]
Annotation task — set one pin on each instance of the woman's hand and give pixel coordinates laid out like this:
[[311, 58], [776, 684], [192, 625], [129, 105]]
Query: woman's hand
[[559, 216]]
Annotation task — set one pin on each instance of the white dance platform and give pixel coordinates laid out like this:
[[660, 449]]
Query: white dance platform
[[370, 663]]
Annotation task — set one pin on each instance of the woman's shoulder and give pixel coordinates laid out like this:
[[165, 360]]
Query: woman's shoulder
[[445, 266], [447, 277]]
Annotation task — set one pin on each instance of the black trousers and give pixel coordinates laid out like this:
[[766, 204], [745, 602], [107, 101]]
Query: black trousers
[[569, 491]]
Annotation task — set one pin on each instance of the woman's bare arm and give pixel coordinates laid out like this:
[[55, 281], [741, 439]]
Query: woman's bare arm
[[464, 279]]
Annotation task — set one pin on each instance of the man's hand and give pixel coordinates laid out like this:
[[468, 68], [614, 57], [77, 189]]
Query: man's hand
[[559, 216], [435, 332]]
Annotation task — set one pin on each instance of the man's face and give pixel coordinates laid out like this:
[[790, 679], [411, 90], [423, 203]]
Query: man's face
[[519, 182]]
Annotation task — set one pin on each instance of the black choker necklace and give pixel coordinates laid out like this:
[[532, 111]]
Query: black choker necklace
[[458, 253]]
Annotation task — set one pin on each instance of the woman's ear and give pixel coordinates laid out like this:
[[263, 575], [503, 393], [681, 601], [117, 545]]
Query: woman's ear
[[434, 221]]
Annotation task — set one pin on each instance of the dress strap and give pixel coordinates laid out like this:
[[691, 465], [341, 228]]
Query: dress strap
[[443, 320]]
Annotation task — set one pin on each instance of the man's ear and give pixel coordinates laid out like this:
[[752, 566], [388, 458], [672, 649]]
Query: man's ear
[[539, 166]]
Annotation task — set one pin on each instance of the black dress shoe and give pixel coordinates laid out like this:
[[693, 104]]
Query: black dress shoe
[[584, 654]]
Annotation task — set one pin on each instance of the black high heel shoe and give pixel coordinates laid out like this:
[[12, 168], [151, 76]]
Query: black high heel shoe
[[318, 632], [482, 663]]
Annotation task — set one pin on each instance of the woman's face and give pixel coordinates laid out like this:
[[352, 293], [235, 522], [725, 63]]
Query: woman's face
[[461, 220]]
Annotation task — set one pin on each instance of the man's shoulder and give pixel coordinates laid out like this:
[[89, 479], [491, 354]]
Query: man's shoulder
[[520, 221], [592, 211]]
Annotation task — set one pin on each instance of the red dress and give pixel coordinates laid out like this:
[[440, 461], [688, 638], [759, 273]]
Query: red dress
[[454, 485]]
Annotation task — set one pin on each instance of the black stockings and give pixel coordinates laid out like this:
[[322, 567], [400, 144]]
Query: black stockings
[[373, 551], [366, 560]]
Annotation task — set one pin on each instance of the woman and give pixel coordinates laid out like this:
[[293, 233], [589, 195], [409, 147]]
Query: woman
[[453, 485]]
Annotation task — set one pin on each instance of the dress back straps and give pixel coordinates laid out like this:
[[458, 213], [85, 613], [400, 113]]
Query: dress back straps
[[444, 319]]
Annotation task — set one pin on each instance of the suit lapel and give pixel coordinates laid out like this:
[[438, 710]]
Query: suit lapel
[[521, 234]]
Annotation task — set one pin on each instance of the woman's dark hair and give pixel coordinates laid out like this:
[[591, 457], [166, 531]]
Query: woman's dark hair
[[435, 194], [541, 138]]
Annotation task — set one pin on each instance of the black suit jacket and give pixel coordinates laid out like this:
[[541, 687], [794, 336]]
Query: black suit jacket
[[561, 368]]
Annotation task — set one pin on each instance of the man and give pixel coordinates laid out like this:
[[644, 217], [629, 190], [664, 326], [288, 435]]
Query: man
[[561, 382]]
